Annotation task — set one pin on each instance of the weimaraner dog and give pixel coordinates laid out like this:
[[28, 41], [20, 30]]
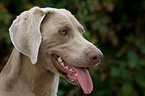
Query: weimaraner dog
[[48, 43]]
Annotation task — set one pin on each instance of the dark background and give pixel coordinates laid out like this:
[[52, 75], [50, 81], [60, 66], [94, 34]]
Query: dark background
[[117, 27]]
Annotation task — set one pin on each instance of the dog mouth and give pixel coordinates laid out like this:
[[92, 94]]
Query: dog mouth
[[75, 75]]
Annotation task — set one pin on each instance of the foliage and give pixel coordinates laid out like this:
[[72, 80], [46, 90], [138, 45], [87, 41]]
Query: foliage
[[115, 26]]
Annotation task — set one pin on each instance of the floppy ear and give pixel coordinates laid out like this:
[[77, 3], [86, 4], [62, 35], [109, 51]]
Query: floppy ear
[[25, 32]]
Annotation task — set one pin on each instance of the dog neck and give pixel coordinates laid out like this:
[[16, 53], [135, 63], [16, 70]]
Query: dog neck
[[39, 81]]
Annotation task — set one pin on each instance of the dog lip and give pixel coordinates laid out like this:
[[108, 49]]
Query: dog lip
[[78, 75], [69, 74]]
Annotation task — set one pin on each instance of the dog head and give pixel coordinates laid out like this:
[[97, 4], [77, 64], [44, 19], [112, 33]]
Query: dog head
[[58, 36]]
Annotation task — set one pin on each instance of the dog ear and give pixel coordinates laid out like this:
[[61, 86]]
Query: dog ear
[[25, 32]]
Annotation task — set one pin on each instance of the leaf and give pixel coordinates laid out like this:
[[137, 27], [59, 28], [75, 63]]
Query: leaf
[[132, 59], [142, 48], [140, 78], [28, 6], [127, 88], [60, 93], [5, 17], [63, 81], [115, 72], [94, 40]]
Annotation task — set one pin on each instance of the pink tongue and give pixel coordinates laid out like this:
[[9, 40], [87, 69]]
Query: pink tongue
[[84, 80]]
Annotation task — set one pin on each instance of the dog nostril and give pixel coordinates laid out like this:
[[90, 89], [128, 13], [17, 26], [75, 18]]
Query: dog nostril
[[94, 58], [101, 57]]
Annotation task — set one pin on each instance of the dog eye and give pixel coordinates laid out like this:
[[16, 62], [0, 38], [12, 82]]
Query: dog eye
[[63, 32]]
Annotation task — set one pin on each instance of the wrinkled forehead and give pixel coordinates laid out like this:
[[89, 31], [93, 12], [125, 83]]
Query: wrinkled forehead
[[66, 13], [62, 16]]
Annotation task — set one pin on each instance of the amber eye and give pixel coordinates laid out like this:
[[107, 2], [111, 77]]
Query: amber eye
[[63, 32]]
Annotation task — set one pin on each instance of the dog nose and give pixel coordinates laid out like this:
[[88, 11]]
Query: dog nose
[[95, 56]]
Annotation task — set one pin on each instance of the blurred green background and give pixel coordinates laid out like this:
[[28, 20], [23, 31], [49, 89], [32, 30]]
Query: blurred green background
[[117, 27]]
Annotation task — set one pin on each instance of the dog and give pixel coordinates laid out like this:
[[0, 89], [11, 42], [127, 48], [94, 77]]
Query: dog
[[48, 43]]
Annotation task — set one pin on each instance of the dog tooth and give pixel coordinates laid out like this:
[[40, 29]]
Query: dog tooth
[[62, 63], [76, 74], [70, 70], [66, 67], [59, 60], [72, 80], [73, 71]]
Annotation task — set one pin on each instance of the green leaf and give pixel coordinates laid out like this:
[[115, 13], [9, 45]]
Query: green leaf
[[127, 88], [5, 17], [132, 59], [140, 78], [115, 72], [142, 48], [63, 81], [94, 40], [60, 93]]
